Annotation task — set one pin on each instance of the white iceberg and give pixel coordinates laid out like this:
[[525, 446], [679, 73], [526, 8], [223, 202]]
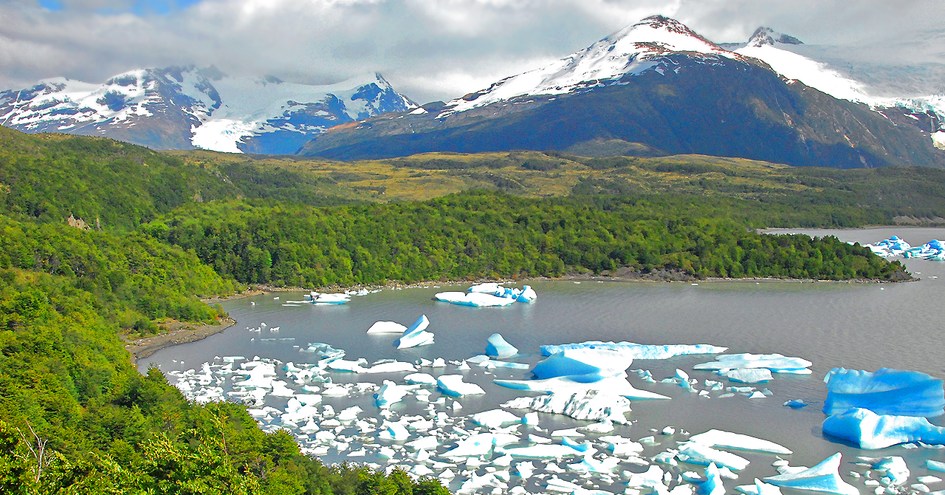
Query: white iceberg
[[495, 418], [736, 441], [638, 351], [454, 386], [496, 346], [885, 392], [319, 298], [869, 430], [617, 385], [473, 299], [587, 405], [776, 363], [391, 393], [528, 295], [823, 478], [386, 327], [416, 335], [703, 455], [749, 375]]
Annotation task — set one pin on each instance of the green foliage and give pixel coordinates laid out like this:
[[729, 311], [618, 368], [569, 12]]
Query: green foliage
[[485, 234]]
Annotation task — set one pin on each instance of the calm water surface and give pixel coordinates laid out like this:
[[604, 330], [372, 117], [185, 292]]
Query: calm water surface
[[861, 326]]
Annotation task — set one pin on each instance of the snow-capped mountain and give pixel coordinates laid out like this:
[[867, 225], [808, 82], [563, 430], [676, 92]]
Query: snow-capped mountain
[[632, 50], [183, 108], [658, 84]]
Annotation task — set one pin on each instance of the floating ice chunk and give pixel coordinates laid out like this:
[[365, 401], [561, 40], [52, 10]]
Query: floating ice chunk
[[590, 465], [347, 365], [932, 465], [496, 346], [759, 488], [736, 441], [869, 430], [320, 298], [394, 431], [894, 470], [582, 361], [713, 481], [416, 335], [776, 363], [480, 444], [588, 405], [652, 479], [473, 299], [454, 386], [420, 379], [639, 351], [541, 452], [749, 375], [703, 455], [390, 393], [887, 391], [386, 327], [495, 418], [492, 288], [528, 295], [391, 367], [617, 385], [796, 403], [824, 478]]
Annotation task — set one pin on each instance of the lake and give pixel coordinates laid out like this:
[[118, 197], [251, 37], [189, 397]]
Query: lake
[[853, 325]]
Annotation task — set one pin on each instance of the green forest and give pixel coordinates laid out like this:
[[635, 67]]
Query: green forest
[[162, 232]]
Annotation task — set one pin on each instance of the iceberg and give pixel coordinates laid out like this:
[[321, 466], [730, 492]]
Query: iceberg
[[737, 441], [713, 482], [390, 393], [776, 363], [885, 392], [416, 335], [742, 375], [893, 246], [588, 405], [473, 299], [497, 347], [617, 385], [582, 361], [638, 351], [894, 469], [386, 327], [319, 298], [823, 478], [496, 418], [703, 455], [454, 386], [933, 250], [759, 488], [869, 430]]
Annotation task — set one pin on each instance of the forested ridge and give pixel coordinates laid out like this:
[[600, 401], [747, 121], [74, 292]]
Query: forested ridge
[[165, 230]]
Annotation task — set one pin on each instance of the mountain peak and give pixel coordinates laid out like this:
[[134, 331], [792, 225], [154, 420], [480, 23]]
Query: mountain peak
[[767, 36]]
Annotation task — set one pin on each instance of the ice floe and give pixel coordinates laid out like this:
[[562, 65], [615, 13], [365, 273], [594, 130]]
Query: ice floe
[[775, 363], [588, 405], [322, 298], [488, 294], [632, 350], [454, 386], [737, 441], [386, 327]]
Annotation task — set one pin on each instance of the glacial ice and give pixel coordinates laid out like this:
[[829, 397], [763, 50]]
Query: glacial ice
[[776, 363], [390, 393], [759, 488], [632, 350], [454, 386], [582, 361], [319, 298], [416, 335], [824, 478], [869, 430], [588, 405], [933, 250], [893, 246], [703, 455], [885, 392], [496, 346], [617, 385], [713, 481], [749, 375], [894, 469], [386, 327], [495, 418], [473, 299], [737, 441]]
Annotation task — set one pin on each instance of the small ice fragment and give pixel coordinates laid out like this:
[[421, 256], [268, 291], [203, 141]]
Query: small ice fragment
[[495, 418], [386, 327], [454, 386], [737, 441], [795, 403]]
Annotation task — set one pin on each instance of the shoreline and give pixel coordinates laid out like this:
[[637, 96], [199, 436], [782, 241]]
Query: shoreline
[[179, 333], [187, 333]]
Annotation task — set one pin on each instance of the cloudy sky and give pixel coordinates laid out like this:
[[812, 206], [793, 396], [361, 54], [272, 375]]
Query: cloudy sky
[[428, 49]]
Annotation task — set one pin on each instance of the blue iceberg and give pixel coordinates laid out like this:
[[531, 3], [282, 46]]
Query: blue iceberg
[[894, 246], [869, 430], [496, 346], [887, 391], [713, 482], [416, 335], [582, 361], [933, 250], [823, 478], [489, 294]]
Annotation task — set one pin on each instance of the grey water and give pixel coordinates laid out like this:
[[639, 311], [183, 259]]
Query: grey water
[[854, 325]]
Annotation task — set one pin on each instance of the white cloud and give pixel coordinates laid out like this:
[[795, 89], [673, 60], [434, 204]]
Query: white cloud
[[429, 49]]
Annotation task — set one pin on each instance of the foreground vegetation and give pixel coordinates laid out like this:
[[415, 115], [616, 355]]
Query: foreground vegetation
[[167, 229]]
